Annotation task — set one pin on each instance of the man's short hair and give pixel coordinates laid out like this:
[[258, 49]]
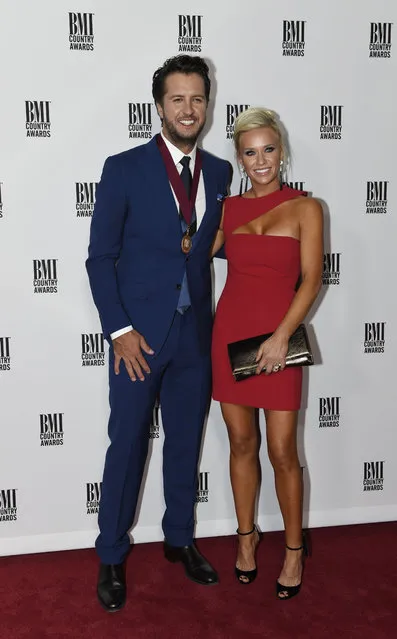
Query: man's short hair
[[180, 64]]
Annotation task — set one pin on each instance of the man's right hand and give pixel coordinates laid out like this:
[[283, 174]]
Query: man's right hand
[[129, 347]]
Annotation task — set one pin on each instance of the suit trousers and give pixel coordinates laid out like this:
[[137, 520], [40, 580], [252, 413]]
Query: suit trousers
[[181, 378]]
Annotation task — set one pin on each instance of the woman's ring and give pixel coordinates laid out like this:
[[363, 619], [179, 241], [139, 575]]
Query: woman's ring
[[276, 368]]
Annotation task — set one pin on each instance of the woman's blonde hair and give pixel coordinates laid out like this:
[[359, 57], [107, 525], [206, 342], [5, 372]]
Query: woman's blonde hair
[[257, 118]]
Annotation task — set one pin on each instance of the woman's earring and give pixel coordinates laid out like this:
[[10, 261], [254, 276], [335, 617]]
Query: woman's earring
[[244, 180], [281, 174]]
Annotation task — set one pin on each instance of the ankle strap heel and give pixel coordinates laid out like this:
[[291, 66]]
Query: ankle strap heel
[[246, 577], [254, 529], [303, 547], [287, 592]]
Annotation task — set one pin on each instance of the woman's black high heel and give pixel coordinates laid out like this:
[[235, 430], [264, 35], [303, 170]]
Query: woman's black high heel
[[287, 592], [246, 577]]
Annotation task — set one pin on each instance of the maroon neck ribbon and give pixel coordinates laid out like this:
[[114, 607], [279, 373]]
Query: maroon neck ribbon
[[186, 204]]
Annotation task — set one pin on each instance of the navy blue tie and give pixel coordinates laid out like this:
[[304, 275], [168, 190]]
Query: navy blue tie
[[186, 176]]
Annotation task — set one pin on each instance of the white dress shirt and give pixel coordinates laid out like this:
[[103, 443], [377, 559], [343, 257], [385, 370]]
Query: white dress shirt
[[177, 156]]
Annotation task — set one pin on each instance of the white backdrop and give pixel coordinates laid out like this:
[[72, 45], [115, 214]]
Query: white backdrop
[[80, 103]]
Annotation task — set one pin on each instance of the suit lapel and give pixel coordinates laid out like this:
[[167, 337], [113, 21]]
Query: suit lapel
[[210, 196], [160, 191]]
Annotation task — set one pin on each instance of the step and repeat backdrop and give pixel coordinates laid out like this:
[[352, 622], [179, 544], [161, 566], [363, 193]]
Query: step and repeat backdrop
[[76, 88]]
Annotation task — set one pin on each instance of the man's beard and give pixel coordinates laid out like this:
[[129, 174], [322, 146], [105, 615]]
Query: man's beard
[[177, 138]]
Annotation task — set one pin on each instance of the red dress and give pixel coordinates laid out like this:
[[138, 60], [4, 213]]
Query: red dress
[[262, 274]]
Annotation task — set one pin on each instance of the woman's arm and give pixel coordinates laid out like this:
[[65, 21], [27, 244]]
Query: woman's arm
[[275, 348], [219, 237], [312, 255]]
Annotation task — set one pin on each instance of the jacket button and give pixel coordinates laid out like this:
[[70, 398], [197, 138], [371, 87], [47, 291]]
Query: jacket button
[[179, 286]]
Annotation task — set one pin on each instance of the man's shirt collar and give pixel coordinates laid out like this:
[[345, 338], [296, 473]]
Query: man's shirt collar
[[177, 154]]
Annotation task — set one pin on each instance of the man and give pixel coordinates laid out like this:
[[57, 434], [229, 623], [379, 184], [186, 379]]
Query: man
[[155, 218]]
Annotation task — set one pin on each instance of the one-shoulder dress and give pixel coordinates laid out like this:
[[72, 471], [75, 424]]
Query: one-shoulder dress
[[263, 272]]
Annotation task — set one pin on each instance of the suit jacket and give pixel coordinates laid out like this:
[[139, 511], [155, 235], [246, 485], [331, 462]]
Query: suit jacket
[[135, 263]]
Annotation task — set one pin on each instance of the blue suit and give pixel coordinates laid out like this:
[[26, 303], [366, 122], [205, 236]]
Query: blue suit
[[136, 267]]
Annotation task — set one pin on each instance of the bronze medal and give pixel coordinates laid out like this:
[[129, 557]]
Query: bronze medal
[[186, 243]]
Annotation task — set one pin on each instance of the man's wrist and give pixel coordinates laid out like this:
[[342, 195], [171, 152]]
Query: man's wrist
[[120, 332]]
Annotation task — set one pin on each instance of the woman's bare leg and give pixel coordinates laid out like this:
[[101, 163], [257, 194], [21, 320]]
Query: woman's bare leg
[[244, 475], [281, 427]]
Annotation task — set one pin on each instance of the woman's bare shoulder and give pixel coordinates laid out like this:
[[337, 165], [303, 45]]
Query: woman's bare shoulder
[[308, 207]]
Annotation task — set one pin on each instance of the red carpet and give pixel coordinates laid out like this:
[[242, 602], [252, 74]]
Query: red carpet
[[350, 591]]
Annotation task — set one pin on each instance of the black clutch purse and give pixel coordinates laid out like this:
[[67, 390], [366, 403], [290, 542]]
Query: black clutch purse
[[242, 354]]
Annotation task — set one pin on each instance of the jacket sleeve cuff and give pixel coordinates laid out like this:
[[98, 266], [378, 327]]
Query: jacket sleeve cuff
[[116, 334]]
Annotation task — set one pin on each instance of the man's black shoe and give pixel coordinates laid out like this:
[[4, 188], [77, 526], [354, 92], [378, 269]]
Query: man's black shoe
[[196, 567], [111, 589]]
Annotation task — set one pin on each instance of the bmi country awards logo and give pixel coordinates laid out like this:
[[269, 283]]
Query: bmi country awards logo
[[92, 349], [374, 339], [190, 33], [140, 120], [81, 31], [5, 355], [373, 475], [331, 122], [154, 431], [329, 412], [380, 39], [300, 186], [38, 121], [93, 497], [331, 269], [232, 111], [1, 201], [45, 278], [377, 197], [51, 429], [85, 198], [294, 37], [202, 488], [8, 504]]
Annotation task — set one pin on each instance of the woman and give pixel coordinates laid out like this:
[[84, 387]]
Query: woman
[[273, 236]]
